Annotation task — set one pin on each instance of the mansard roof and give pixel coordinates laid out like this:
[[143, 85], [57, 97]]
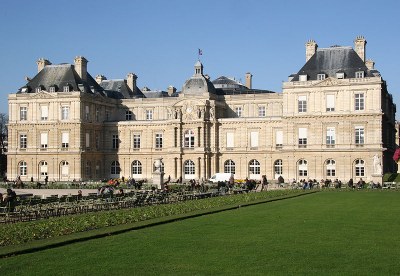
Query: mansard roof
[[59, 76], [333, 60], [118, 89]]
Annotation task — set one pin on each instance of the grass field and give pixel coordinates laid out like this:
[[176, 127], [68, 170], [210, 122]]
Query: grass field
[[327, 233]]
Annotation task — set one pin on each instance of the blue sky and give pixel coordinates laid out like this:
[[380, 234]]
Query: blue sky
[[158, 39]]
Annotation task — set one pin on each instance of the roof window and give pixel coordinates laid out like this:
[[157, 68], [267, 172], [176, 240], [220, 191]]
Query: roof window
[[302, 77], [321, 76], [340, 75], [359, 74]]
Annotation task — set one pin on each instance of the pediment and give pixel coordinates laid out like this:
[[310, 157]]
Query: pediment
[[329, 82], [42, 95]]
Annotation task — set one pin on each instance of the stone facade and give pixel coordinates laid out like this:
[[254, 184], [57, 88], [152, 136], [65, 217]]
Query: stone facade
[[331, 125]]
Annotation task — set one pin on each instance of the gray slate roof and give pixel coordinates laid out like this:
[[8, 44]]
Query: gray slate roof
[[118, 89], [59, 76], [334, 60]]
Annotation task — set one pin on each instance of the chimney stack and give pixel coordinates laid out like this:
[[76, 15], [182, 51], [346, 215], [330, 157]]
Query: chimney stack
[[359, 45], [370, 64], [100, 78], [171, 90], [249, 80], [41, 63], [311, 49], [131, 81], [81, 67]]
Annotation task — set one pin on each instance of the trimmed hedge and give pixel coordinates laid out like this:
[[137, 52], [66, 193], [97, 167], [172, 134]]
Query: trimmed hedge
[[23, 232]]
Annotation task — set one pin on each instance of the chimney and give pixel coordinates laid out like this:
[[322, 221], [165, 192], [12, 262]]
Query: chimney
[[81, 67], [311, 48], [131, 81], [249, 80], [41, 63], [100, 78], [370, 64], [359, 45], [171, 90]]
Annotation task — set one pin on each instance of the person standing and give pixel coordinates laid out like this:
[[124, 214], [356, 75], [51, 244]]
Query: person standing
[[264, 183]]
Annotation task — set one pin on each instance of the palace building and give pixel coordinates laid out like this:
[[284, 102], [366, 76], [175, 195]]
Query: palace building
[[333, 119]]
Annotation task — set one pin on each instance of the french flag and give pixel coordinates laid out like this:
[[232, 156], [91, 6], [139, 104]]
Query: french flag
[[200, 52], [396, 155]]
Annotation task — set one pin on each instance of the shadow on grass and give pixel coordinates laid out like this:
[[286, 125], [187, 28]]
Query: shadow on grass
[[39, 245]]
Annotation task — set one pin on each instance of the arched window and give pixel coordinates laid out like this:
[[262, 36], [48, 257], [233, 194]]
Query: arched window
[[303, 167], [88, 169], [360, 168], [229, 166], [97, 169], [189, 169], [278, 168], [254, 169], [23, 168], [188, 139], [43, 168], [330, 167], [115, 168], [64, 168], [136, 168]]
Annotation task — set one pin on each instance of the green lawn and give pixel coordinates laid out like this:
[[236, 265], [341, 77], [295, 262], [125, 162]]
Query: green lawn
[[327, 233]]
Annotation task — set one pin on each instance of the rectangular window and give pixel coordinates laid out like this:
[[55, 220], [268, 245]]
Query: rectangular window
[[66, 88], [302, 103], [253, 140], [279, 139], [330, 103], [87, 113], [64, 112], [359, 74], [43, 140], [330, 137], [261, 111], [23, 141], [136, 141], [230, 142], [44, 112], [23, 113], [321, 76], [176, 137], [359, 101], [97, 140], [64, 140], [115, 141], [238, 111], [52, 89], [97, 114], [128, 115], [87, 140], [107, 115], [359, 135], [302, 137], [149, 114], [159, 141]]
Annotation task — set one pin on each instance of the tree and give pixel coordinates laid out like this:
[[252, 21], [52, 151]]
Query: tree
[[3, 143]]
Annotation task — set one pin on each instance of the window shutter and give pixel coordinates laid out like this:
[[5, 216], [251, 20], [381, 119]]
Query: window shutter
[[302, 132], [254, 139], [330, 101], [279, 137], [65, 137], [229, 140]]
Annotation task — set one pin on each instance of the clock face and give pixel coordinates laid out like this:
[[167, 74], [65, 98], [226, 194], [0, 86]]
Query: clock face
[[189, 109]]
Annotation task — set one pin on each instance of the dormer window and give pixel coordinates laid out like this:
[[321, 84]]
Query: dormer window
[[321, 76], [302, 77], [38, 89], [359, 74], [66, 88], [52, 89], [340, 75]]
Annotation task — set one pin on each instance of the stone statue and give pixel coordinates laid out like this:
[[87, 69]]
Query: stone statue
[[377, 165], [157, 165]]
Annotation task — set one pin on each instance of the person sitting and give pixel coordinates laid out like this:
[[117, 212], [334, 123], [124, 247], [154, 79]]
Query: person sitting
[[350, 183], [10, 199], [360, 184]]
